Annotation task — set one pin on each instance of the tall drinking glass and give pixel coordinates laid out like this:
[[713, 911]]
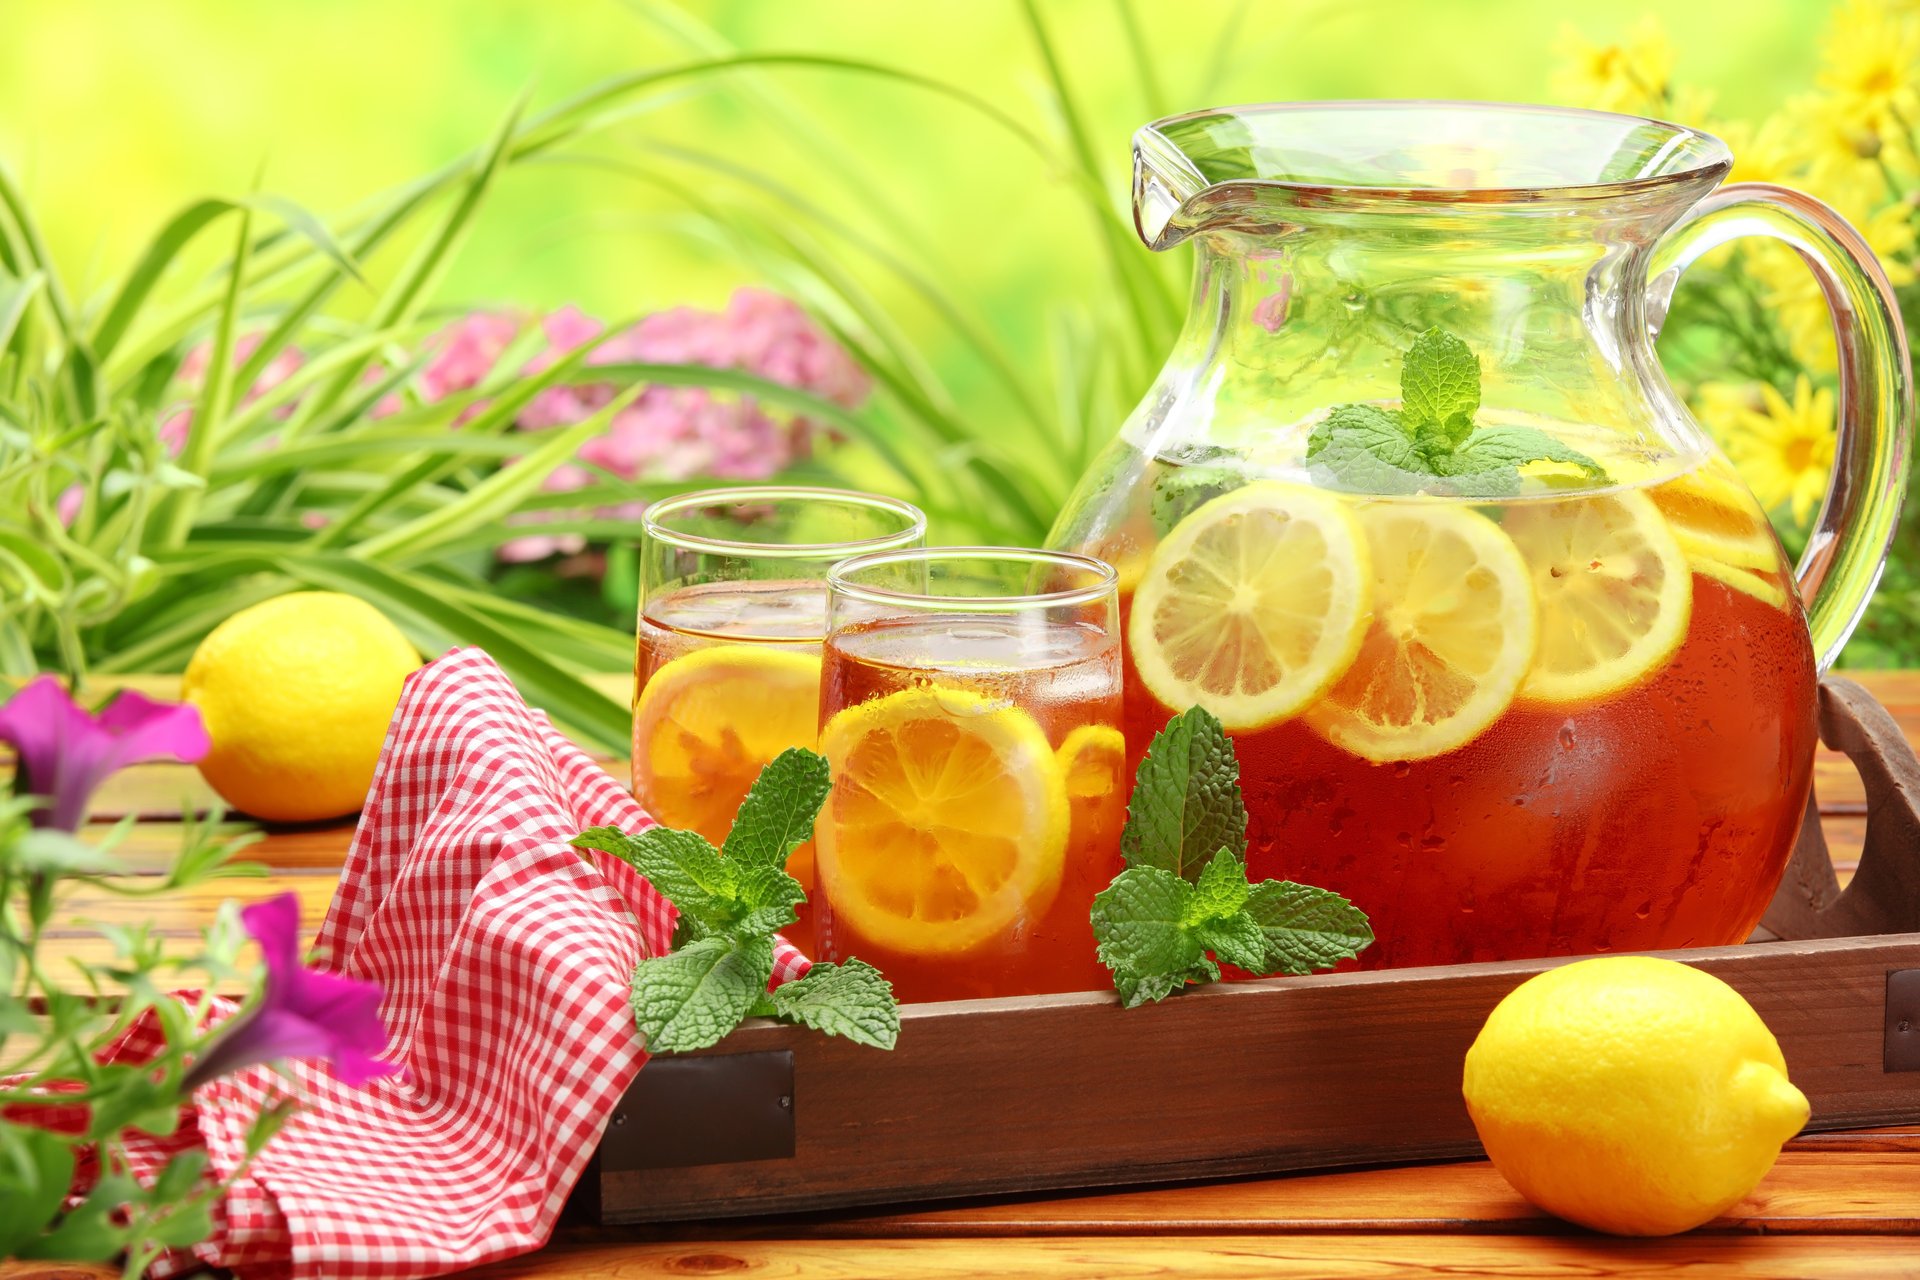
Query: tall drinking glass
[[970, 711], [727, 660]]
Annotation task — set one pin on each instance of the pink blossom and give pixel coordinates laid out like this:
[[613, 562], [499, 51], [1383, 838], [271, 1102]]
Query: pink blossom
[[193, 372], [465, 352], [302, 1012], [67, 505], [63, 751]]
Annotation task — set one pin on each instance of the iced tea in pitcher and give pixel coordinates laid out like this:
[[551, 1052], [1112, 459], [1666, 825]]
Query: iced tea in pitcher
[[727, 660], [969, 711], [1510, 657]]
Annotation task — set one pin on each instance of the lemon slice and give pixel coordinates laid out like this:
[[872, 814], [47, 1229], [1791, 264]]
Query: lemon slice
[[947, 822], [1253, 605], [708, 721], [1093, 762], [1615, 590], [1767, 590], [1453, 633], [1714, 519]]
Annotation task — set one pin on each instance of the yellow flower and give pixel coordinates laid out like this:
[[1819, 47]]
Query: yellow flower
[[1792, 292], [1774, 152], [1720, 405], [1631, 75], [1868, 62], [1841, 151], [1784, 451]]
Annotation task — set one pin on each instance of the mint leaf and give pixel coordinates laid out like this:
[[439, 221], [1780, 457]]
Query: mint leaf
[[777, 815], [1364, 448], [768, 897], [1491, 448], [1186, 801], [1140, 923], [1136, 989], [1220, 891], [680, 865], [1304, 928], [1440, 386], [1179, 491], [1237, 940], [695, 996], [850, 1000]]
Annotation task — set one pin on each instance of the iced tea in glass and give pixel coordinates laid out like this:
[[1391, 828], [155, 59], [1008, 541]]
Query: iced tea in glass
[[733, 609], [970, 713]]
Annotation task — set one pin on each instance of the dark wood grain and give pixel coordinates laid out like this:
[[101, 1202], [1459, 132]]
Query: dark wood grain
[[1021, 1095]]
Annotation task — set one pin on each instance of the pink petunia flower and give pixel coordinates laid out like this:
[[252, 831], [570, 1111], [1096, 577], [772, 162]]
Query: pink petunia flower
[[302, 1012], [65, 751]]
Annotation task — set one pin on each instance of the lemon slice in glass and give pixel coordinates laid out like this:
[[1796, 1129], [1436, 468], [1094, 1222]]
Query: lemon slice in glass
[[947, 822], [1253, 605], [1453, 634], [708, 721], [1615, 590]]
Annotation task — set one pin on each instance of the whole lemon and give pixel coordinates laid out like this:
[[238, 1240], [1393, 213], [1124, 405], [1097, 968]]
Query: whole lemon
[[1631, 1095], [296, 694]]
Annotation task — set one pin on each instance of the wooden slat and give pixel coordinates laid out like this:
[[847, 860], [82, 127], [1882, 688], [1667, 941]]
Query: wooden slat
[[1228, 1256]]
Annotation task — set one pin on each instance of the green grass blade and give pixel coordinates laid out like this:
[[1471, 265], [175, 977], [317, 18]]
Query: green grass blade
[[489, 501], [423, 610], [82, 369], [16, 295]]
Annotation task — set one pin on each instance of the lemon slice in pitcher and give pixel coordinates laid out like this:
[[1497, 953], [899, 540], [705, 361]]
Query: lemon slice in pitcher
[[1253, 605], [1616, 593], [1714, 519], [947, 822], [1453, 634], [707, 722]]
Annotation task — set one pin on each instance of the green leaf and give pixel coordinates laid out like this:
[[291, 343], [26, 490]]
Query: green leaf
[[1178, 491], [851, 1000], [692, 998], [1440, 384], [1237, 940], [1305, 928], [1186, 803], [1492, 448], [1139, 922], [434, 622], [45, 851], [1136, 989], [777, 815], [680, 865], [88, 1233], [1220, 891], [1365, 449], [36, 1168]]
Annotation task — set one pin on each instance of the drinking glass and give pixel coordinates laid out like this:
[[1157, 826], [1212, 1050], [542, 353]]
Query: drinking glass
[[727, 657], [970, 712]]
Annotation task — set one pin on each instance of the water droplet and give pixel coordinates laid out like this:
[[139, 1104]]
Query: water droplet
[[1566, 736]]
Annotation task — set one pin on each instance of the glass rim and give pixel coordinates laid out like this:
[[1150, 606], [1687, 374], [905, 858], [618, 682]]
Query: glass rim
[[747, 495], [1714, 163], [1105, 584]]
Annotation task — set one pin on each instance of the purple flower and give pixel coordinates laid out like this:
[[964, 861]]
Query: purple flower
[[65, 751], [302, 1013]]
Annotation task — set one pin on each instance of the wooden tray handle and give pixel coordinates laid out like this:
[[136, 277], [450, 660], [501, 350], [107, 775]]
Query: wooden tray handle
[[1884, 895]]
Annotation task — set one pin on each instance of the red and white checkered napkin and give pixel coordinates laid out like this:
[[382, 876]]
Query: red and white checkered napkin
[[506, 956]]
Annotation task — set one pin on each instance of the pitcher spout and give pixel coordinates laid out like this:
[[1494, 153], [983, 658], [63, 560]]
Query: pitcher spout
[[1262, 169]]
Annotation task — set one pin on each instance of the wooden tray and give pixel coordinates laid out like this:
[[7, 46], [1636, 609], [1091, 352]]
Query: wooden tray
[[1031, 1093]]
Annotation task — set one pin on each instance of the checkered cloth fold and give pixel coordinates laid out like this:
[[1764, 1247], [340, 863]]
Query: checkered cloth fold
[[506, 956]]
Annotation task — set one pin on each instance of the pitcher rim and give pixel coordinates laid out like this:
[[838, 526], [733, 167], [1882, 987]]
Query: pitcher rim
[[1716, 164]]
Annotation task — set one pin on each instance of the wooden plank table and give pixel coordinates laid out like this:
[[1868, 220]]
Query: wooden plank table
[[1838, 1204]]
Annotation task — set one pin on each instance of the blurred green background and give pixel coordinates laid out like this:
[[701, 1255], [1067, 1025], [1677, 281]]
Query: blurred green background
[[115, 112]]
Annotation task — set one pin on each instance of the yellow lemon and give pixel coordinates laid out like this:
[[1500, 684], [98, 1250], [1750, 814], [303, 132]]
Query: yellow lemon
[[1631, 1095], [296, 694], [948, 819]]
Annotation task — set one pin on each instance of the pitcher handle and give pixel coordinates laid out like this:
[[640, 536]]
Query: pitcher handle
[[1850, 538]]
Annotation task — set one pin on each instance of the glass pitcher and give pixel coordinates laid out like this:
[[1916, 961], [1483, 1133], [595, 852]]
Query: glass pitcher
[[1511, 656]]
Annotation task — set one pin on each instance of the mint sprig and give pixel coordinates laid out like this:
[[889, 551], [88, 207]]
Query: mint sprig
[[731, 902], [1430, 444], [1184, 904]]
